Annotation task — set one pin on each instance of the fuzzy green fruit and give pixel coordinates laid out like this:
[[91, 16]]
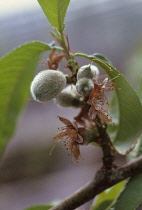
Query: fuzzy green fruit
[[47, 85], [68, 97], [88, 71], [84, 86]]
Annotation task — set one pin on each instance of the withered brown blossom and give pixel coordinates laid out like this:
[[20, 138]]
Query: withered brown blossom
[[99, 102], [72, 137], [54, 60]]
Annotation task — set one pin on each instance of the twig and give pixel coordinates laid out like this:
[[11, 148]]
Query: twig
[[102, 181], [105, 142]]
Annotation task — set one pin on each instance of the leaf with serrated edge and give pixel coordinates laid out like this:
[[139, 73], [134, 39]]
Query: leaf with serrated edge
[[137, 151], [16, 73], [55, 11], [102, 57], [131, 196], [130, 108]]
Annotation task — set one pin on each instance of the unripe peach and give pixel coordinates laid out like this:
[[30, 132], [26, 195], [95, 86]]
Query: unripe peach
[[68, 97], [47, 84], [84, 86], [88, 71]]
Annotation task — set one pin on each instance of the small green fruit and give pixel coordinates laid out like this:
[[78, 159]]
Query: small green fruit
[[47, 85], [68, 97], [84, 86], [88, 71]]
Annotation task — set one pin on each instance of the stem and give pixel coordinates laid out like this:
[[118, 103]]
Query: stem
[[63, 43], [108, 158], [102, 181], [58, 48], [65, 48]]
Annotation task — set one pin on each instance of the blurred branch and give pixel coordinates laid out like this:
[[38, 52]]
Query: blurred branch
[[104, 179]]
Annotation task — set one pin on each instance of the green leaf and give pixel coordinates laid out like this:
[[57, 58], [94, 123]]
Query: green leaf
[[55, 11], [40, 207], [104, 200], [140, 90], [113, 109], [129, 107], [133, 65], [102, 57], [16, 73], [131, 197], [137, 151]]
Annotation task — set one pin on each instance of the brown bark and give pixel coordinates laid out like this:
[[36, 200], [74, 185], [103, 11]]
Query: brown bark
[[104, 179]]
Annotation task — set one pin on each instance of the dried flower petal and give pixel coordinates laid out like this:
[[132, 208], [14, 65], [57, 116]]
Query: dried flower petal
[[99, 102], [65, 121], [54, 60], [71, 134], [75, 150]]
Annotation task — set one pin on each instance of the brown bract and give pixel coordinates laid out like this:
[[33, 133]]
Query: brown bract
[[71, 134], [99, 102], [54, 60]]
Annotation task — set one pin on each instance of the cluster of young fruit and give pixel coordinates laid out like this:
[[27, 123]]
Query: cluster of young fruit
[[49, 84]]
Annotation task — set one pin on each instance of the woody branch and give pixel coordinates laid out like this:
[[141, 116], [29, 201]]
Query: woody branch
[[108, 156], [103, 179]]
